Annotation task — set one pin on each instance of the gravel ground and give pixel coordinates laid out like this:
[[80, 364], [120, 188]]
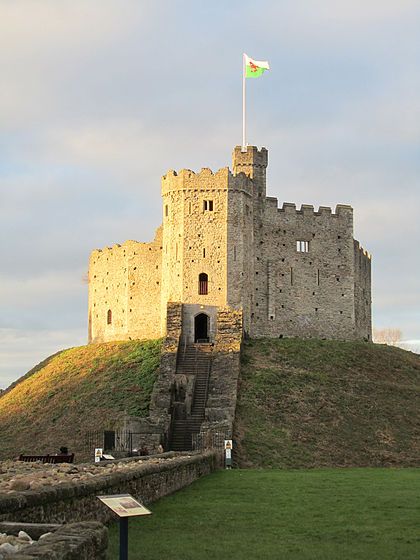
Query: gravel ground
[[17, 476]]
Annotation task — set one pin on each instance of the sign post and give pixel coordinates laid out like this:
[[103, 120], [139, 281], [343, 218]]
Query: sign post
[[228, 453], [123, 538], [98, 454], [125, 506]]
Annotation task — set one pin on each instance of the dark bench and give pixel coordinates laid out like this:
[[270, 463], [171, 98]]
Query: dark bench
[[47, 458]]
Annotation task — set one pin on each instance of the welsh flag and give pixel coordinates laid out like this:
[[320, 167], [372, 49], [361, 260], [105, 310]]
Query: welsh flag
[[254, 68]]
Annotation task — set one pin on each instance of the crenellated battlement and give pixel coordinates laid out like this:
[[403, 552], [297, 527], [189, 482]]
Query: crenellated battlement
[[129, 248], [205, 179], [341, 210], [243, 157], [361, 250]]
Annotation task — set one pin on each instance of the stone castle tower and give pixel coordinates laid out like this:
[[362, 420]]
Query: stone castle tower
[[224, 244]]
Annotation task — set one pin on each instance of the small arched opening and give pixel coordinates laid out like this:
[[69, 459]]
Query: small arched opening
[[109, 317], [201, 328], [203, 284]]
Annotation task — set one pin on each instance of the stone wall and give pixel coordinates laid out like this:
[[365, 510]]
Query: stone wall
[[362, 292], [125, 280], [306, 293], [195, 234], [72, 503], [75, 541], [160, 404], [223, 383]]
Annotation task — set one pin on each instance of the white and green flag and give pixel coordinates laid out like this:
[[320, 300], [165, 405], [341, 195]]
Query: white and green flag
[[255, 68]]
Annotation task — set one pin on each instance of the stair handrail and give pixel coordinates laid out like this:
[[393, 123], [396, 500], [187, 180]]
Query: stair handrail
[[195, 382], [185, 346], [207, 381]]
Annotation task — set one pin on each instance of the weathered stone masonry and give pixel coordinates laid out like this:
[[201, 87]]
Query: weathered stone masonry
[[224, 244], [78, 502]]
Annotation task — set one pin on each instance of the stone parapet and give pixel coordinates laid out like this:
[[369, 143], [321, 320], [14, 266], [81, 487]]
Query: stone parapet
[[75, 541], [205, 179], [160, 404], [67, 503]]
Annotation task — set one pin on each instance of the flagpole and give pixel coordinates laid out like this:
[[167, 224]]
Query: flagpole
[[243, 104]]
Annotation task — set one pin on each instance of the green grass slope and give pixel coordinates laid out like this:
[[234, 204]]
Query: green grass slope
[[321, 514], [313, 403], [74, 391]]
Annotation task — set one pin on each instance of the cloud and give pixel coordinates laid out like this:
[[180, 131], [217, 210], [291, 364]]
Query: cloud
[[21, 350], [100, 98]]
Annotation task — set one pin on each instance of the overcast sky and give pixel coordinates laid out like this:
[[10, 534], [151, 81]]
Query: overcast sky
[[99, 98]]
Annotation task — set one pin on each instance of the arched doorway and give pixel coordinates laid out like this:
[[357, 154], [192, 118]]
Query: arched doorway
[[201, 328]]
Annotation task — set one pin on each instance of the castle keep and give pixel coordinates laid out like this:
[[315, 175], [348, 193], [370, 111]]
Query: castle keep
[[224, 244]]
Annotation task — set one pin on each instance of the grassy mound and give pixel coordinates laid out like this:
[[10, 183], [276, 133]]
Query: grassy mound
[[312, 403], [74, 391]]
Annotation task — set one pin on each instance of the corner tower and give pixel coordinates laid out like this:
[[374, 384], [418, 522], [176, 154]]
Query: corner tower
[[253, 162], [246, 210], [195, 215]]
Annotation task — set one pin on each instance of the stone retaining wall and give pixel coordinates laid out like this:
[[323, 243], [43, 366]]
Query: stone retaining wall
[[66, 503], [75, 541]]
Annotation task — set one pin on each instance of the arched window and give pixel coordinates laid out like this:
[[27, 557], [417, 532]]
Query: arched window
[[203, 284], [109, 317]]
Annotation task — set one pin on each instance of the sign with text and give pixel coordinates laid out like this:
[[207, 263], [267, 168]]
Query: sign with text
[[98, 454], [228, 453], [124, 505]]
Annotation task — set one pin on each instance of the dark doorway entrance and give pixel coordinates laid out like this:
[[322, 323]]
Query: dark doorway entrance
[[201, 328]]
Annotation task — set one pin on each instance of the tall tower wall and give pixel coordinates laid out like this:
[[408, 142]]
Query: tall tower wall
[[362, 292], [195, 240]]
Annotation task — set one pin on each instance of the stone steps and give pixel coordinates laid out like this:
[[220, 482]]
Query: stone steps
[[193, 360]]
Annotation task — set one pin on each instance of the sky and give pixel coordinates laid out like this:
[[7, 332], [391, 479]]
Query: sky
[[99, 98]]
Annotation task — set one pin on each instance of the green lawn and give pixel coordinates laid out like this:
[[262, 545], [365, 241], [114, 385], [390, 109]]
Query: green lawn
[[325, 514]]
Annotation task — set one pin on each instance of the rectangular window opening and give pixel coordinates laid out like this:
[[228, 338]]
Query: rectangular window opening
[[166, 210], [208, 205], [302, 246]]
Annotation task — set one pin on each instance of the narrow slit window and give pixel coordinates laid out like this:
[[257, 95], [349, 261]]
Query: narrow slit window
[[203, 284], [317, 276], [189, 208], [166, 210], [234, 253], [291, 276], [302, 246], [109, 317], [204, 252], [208, 205]]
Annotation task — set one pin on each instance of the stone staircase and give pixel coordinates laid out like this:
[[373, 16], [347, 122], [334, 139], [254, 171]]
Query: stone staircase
[[193, 360]]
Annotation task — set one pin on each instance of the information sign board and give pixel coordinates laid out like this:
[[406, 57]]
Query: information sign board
[[124, 505]]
